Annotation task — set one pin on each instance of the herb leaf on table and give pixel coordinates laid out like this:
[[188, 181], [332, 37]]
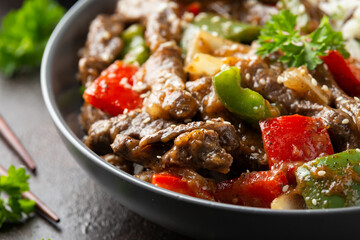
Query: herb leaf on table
[[14, 206]]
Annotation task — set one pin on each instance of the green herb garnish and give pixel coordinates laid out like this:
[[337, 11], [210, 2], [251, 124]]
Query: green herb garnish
[[24, 34], [14, 206], [280, 33]]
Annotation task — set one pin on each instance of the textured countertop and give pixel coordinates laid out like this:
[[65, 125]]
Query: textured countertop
[[86, 210]]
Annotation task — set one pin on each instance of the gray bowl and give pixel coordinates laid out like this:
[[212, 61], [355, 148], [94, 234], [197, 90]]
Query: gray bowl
[[187, 215]]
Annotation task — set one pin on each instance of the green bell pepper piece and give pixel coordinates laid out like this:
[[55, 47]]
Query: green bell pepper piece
[[246, 103], [227, 28], [331, 181], [135, 49]]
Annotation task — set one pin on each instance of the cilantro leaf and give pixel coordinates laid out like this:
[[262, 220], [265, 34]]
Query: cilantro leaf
[[13, 207], [24, 34], [280, 34]]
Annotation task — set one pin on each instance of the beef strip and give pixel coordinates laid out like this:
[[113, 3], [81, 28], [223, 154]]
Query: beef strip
[[164, 73], [103, 45], [245, 11], [90, 68], [89, 115], [103, 39], [138, 10], [163, 26], [342, 101], [210, 105], [135, 124], [198, 149], [148, 156], [119, 162], [227, 134]]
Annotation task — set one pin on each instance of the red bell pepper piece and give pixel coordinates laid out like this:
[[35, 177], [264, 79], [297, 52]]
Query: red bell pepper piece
[[194, 8], [292, 140], [255, 189], [180, 184], [346, 72], [112, 90]]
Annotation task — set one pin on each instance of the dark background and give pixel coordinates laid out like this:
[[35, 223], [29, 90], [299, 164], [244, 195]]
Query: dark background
[[86, 211]]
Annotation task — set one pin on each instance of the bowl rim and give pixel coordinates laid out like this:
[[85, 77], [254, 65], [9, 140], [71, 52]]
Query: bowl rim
[[50, 102]]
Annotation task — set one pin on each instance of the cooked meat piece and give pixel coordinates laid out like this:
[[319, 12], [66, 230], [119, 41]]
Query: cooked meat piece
[[138, 10], [148, 156], [245, 11], [136, 124], [176, 104], [342, 136], [90, 115], [163, 26], [119, 162], [165, 68], [90, 68], [103, 40], [164, 73], [198, 149], [251, 154], [342, 101], [210, 105], [227, 135]]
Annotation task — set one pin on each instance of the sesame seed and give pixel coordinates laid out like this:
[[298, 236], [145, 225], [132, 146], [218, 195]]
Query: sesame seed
[[262, 81], [280, 79], [285, 188], [215, 19], [247, 76], [325, 88], [210, 122], [125, 111], [147, 120], [345, 121], [158, 157], [321, 173], [204, 27], [224, 66], [226, 122], [358, 150], [339, 99], [302, 71], [357, 99], [252, 148], [314, 82], [313, 201]]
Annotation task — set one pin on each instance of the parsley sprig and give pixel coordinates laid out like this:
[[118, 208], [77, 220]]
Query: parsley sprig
[[24, 34], [14, 206], [280, 33]]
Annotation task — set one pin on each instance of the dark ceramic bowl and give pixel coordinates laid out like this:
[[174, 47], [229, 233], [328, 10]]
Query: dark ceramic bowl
[[187, 215]]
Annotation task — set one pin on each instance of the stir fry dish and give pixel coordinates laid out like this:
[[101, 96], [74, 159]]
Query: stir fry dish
[[252, 103]]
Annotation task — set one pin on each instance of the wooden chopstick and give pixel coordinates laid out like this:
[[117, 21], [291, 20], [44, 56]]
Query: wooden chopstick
[[14, 142], [40, 206]]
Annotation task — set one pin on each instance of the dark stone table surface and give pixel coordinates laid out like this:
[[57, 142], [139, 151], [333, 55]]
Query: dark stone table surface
[[86, 210]]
